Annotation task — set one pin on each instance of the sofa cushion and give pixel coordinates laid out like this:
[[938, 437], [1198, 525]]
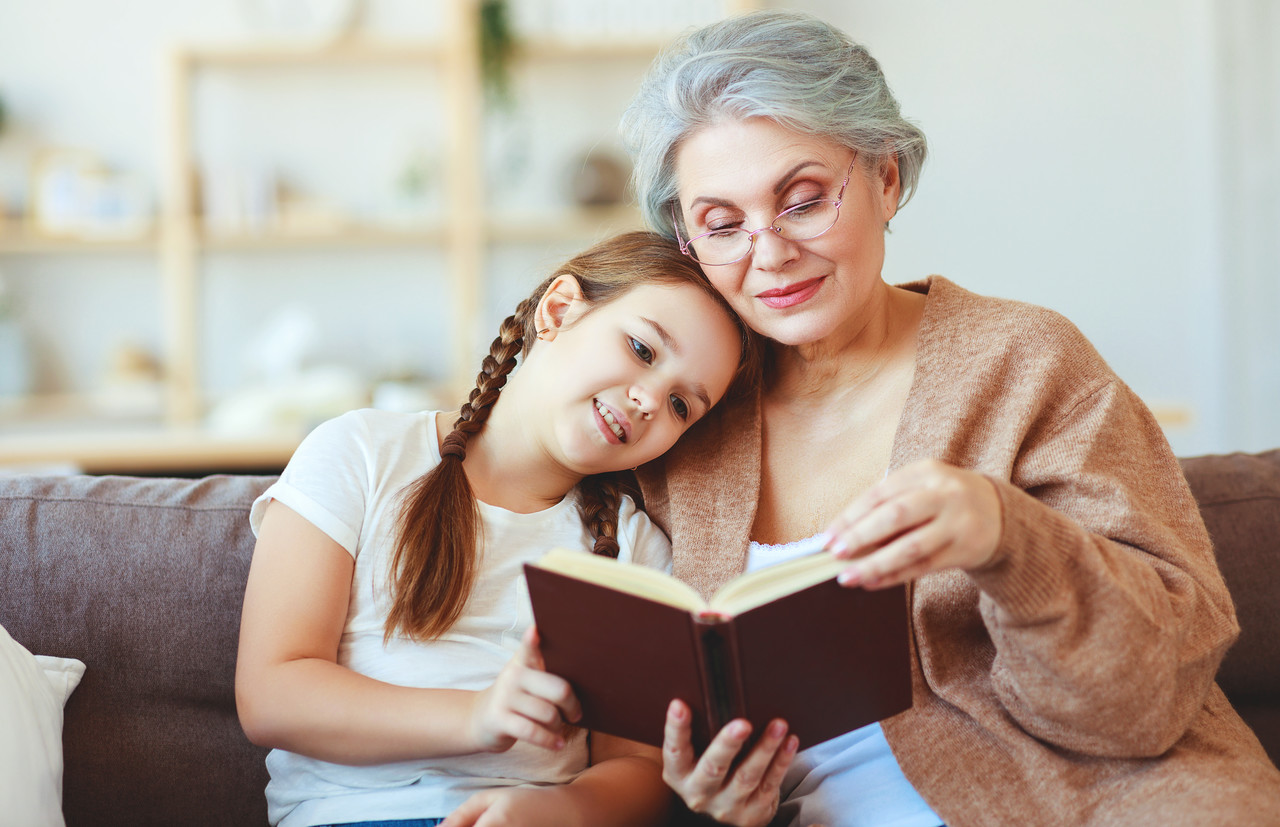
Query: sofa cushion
[[1239, 498], [142, 579]]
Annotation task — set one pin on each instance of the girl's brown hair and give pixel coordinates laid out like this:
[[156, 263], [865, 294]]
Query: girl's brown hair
[[433, 564]]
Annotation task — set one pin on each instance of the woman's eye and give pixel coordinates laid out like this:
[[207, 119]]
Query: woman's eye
[[804, 207], [641, 350], [680, 407]]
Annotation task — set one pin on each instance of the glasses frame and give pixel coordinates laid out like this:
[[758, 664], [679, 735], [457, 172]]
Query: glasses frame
[[773, 225]]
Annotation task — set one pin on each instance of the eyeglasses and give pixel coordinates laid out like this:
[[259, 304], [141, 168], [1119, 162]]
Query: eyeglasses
[[803, 222]]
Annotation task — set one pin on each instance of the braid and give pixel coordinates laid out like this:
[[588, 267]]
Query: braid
[[433, 566], [495, 369], [599, 498]]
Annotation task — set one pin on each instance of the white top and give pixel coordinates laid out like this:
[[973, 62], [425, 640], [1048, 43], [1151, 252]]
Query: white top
[[853, 780], [345, 479]]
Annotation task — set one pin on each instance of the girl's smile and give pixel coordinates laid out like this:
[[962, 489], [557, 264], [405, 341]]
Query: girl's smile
[[612, 423]]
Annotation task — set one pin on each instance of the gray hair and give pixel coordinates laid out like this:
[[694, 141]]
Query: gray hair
[[790, 67]]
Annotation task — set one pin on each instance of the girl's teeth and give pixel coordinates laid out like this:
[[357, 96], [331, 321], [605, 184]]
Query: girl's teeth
[[607, 415]]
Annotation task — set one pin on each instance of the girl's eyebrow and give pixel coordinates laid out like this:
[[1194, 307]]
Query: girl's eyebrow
[[669, 342]]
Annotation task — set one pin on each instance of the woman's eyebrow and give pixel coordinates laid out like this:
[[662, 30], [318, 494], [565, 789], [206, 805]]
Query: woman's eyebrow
[[777, 189], [791, 173], [669, 342]]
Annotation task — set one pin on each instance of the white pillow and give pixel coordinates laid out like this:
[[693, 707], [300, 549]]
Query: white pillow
[[33, 690]]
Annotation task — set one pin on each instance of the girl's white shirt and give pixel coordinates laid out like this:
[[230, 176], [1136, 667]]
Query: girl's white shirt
[[345, 478]]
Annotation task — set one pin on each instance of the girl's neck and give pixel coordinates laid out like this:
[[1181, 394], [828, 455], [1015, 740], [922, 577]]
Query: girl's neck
[[506, 467]]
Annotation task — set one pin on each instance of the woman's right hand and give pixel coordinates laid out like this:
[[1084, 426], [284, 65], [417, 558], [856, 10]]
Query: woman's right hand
[[747, 795], [525, 703]]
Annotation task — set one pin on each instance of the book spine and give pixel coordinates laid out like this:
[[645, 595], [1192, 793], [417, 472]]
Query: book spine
[[722, 687]]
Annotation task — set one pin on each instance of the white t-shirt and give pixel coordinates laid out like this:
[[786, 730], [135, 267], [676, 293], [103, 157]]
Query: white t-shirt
[[345, 479], [852, 780]]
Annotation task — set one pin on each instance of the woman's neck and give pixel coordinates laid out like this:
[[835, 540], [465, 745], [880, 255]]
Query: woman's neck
[[855, 354]]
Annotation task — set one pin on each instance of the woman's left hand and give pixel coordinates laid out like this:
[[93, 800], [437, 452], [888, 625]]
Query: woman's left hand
[[924, 517]]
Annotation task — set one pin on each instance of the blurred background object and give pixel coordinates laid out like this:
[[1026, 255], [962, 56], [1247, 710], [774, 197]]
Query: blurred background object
[[174, 176]]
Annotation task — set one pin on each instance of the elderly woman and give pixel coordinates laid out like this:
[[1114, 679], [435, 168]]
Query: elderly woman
[[1067, 615]]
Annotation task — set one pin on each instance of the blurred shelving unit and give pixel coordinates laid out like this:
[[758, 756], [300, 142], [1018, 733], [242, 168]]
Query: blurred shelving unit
[[168, 433]]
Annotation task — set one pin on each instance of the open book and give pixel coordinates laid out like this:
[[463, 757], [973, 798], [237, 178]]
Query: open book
[[785, 642]]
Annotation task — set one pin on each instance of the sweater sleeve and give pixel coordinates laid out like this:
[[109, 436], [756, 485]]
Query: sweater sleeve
[[1105, 605]]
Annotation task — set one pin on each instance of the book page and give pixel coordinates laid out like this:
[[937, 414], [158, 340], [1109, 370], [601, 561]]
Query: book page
[[640, 581], [765, 585]]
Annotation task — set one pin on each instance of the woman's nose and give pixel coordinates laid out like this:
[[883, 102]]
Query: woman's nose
[[772, 250]]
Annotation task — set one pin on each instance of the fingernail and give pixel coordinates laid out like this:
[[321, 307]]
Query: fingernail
[[839, 547], [825, 538], [740, 729], [777, 729], [792, 744], [849, 577]]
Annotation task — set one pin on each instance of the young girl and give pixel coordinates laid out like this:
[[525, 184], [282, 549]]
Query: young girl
[[386, 647]]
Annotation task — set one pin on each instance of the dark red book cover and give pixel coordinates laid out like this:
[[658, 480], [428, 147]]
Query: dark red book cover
[[825, 658]]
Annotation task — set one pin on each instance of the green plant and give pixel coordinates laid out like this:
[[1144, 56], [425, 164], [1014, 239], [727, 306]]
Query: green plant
[[497, 44]]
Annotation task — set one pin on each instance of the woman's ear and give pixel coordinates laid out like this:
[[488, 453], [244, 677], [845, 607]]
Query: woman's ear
[[560, 305], [892, 186]]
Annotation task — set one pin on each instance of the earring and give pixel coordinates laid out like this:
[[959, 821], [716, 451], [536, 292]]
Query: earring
[[542, 331]]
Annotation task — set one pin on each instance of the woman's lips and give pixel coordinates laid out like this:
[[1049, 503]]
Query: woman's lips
[[791, 295]]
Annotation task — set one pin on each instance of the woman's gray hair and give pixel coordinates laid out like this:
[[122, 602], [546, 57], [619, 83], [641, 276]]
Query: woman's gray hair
[[790, 67]]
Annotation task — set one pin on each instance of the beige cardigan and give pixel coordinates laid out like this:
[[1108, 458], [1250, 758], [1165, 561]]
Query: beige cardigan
[[1070, 681]]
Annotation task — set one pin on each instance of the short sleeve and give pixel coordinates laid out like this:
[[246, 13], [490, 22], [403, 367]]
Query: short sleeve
[[327, 481], [640, 540]]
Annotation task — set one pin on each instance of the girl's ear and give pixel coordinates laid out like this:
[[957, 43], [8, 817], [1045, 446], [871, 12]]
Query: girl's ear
[[560, 305]]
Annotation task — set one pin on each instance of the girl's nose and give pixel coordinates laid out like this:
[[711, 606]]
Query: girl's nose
[[644, 400]]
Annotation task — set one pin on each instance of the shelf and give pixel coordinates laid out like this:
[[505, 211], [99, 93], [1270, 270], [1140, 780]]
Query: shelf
[[21, 240], [147, 450], [363, 237], [292, 54]]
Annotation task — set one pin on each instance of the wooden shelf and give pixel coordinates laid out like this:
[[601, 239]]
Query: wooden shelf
[[367, 237], [21, 240], [147, 449], [293, 54]]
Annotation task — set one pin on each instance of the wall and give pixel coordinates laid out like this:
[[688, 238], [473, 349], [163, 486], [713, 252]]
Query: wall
[[1084, 156]]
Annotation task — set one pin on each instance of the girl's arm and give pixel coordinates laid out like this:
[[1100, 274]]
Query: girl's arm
[[622, 787], [292, 694]]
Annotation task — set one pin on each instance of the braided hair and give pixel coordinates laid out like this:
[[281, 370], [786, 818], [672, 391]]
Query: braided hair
[[433, 564]]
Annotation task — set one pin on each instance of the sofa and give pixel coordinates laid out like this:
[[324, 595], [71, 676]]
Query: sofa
[[142, 580]]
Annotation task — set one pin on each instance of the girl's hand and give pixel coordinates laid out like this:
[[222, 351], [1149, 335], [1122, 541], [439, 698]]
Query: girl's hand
[[523, 806], [747, 796], [922, 518], [525, 703]]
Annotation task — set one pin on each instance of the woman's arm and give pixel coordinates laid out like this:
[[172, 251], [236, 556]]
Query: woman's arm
[[622, 787], [292, 694], [1100, 592]]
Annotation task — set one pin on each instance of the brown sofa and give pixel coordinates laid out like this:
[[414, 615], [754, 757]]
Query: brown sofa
[[142, 580]]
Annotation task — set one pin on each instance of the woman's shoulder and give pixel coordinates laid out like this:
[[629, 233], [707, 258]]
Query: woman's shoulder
[[961, 321]]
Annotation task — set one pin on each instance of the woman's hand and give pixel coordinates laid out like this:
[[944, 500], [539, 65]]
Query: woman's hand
[[525, 703], [747, 796], [921, 518]]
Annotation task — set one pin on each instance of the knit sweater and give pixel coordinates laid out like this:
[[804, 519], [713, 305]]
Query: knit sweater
[[1071, 679]]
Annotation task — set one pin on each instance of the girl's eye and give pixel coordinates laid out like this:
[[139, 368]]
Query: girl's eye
[[641, 350], [679, 406]]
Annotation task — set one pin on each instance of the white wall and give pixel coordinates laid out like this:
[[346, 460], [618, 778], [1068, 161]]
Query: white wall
[[1084, 156]]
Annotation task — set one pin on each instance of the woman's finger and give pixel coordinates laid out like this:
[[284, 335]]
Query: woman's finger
[[554, 690], [755, 767], [677, 746]]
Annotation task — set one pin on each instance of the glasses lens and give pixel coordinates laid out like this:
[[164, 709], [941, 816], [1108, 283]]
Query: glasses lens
[[806, 221], [723, 247]]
